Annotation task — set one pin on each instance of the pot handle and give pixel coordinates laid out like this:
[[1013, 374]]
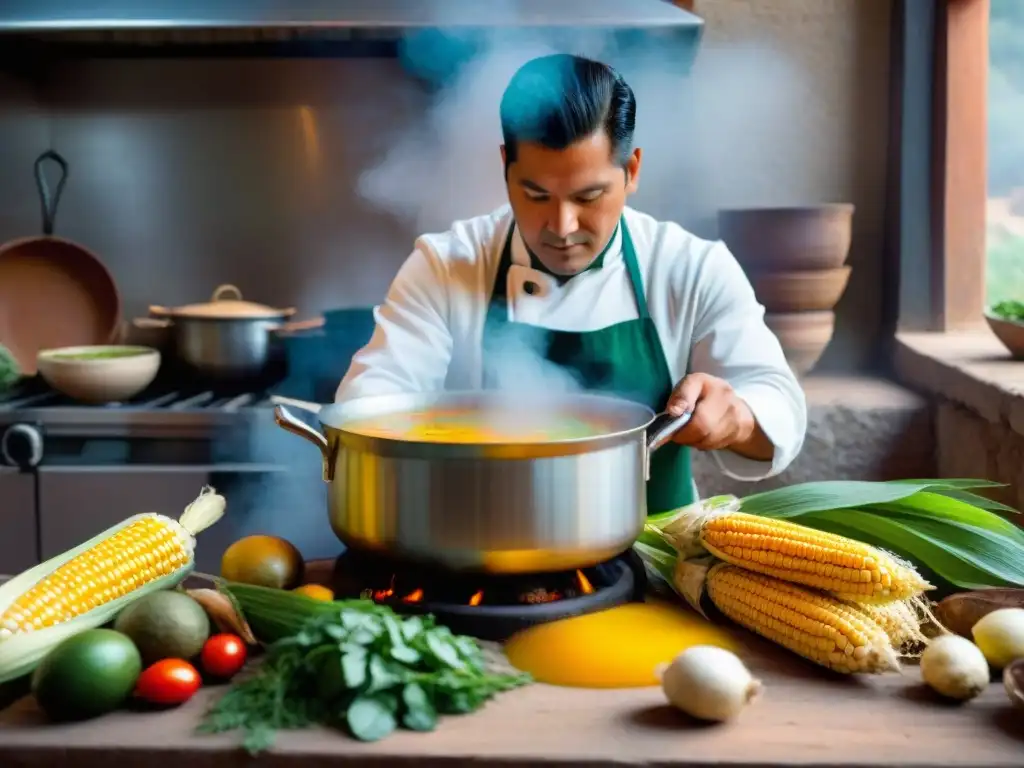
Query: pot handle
[[300, 325], [288, 422], [225, 292], [47, 199], [151, 322], [660, 432]]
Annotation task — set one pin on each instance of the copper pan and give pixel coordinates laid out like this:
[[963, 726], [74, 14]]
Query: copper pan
[[54, 292]]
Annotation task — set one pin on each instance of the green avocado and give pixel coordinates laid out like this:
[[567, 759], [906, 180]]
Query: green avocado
[[87, 675], [165, 625]]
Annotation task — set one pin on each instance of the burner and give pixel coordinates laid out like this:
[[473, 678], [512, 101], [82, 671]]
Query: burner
[[487, 606]]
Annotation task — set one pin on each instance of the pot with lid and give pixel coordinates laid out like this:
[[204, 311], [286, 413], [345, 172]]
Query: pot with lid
[[474, 481], [227, 339]]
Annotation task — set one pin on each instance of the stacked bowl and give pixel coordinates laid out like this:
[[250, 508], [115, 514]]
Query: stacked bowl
[[795, 260]]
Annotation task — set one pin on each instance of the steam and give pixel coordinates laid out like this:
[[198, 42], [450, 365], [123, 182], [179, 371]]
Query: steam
[[701, 134], [516, 364]]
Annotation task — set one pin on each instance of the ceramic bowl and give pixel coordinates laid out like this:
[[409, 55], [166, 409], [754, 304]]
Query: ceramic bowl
[[800, 291], [1009, 332], [803, 335], [99, 374], [782, 239]]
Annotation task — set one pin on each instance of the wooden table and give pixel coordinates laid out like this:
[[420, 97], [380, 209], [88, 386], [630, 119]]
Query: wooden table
[[804, 718]]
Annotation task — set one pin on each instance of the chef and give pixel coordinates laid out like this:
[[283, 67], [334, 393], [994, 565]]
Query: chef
[[618, 301]]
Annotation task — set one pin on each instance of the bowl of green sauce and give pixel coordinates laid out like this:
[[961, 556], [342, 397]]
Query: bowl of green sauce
[[99, 373]]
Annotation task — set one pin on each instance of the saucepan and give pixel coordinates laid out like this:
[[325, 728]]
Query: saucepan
[[227, 338], [53, 292], [557, 483]]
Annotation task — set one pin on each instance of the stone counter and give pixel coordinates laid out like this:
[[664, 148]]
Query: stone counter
[[804, 718]]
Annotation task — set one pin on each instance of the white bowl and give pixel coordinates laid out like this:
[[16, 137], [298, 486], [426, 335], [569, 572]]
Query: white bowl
[[101, 373]]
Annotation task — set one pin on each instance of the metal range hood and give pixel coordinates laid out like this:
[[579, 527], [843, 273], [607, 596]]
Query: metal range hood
[[43, 16], [433, 38]]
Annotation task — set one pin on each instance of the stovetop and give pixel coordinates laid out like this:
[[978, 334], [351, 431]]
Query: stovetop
[[164, 410], [487, 606]]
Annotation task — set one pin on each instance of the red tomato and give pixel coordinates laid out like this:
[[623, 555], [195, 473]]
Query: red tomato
[[223, 656], [169, 681]]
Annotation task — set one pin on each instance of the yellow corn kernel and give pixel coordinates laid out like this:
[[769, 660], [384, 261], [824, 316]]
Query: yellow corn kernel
[[816, 626], [901, 621], [143, 551], [844, 567]]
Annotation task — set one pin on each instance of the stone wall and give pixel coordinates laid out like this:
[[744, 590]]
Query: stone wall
[[858, 429], [978, 404], [971, 446]]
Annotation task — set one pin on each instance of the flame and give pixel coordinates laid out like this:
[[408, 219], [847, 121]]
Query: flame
[[532, 597], [384, 594]]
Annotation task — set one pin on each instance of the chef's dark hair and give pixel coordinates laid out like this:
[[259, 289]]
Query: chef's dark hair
[[557, 100]]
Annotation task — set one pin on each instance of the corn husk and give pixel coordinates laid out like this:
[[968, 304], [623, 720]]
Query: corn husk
[[962, 538], [21, 652]]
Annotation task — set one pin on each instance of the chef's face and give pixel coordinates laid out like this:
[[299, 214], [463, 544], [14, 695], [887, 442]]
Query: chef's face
[[567, 202]]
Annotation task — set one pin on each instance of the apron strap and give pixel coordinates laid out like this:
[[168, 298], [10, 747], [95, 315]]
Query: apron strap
[[633, 268]]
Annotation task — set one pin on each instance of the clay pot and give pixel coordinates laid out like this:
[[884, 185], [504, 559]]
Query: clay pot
[[810, 237], [1008, 332], [802, 291], [803, 335]]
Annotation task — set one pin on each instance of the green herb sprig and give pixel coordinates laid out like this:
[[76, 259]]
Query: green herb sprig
[[365, 670], [1009, 310]]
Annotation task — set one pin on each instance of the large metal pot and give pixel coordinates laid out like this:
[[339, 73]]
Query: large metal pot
[[497, 507], [227, 338]]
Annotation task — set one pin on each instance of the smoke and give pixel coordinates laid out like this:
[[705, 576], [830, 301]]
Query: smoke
[[516, 364], [700, 133]]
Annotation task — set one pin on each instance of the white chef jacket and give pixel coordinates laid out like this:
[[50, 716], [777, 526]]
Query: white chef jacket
[[429, 330]]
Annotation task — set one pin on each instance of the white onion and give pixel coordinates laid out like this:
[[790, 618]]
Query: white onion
[[1000, 636], [954, 667], [709, 683]]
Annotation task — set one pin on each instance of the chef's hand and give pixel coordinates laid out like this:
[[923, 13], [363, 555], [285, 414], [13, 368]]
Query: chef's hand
[[721, 419]]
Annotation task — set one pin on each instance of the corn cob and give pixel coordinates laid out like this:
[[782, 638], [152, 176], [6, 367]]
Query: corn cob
[[87, 586], [811, 624], [844, 567], [901, 620]]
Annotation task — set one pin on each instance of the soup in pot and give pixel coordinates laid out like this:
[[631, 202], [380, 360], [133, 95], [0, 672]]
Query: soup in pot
[[470, 426]]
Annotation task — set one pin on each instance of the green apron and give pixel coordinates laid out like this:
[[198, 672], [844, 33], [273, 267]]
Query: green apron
[[625, 359]]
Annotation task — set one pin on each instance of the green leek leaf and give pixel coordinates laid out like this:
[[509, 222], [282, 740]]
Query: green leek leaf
[[796, 500], [954, 483], [652, 540], [979, 501], [658, 560], [933, 506], [988, 550], [950, 563]]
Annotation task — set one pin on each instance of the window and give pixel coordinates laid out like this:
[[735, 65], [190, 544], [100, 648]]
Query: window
[[939, 189], [1004, 231]]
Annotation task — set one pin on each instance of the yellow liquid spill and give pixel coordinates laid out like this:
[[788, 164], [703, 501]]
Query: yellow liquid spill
[[617, 648]]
